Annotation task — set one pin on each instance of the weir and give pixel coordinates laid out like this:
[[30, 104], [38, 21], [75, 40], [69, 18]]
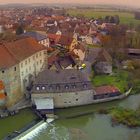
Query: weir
[[32, 132]]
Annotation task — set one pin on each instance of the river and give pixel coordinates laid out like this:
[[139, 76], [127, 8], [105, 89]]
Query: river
[[91, 126]]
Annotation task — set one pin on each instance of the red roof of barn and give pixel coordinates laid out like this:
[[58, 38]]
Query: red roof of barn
[[106, 89]]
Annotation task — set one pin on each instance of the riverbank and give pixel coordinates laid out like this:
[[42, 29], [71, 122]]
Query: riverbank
[[26, 116], [120, 115], [16, 122]]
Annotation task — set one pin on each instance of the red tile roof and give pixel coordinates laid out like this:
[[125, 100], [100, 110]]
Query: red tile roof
[[54, 37], [106, 89], [2, 96], [16, 51], [6, 58], [65, 40]]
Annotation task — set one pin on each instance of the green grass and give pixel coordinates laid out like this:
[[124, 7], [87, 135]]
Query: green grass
[[127, 117], [17, 122], [125, 17], [118, 79]]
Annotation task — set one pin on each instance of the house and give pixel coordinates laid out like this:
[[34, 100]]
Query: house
[[107, 91], [51, 22], [52, 58], [79, 51], [89, 39], [100, 59], [67, 88], [20, 62], [82, 30], [54, 30], [66, 62], [67, 42], [53, 38], [40, 38]]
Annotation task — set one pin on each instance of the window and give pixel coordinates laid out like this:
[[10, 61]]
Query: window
[[14, 68], [2, 71], [40, 53], [25, 62], [40, 61], [67, 87], [36, 55], [43, 87], [85, 85], [57, 87], [37, 88], [74, 86], [45, 52], [22, 73], [29, 60], [76, 99]]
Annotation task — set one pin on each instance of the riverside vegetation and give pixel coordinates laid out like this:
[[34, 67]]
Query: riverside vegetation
[[120, 115]]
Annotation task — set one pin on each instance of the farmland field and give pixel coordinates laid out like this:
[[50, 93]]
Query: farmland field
[[125, 17]]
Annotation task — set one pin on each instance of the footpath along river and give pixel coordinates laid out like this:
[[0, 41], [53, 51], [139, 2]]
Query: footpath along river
[[69, 126]]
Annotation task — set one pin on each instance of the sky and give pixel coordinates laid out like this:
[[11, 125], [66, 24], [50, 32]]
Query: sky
[[118, 2]]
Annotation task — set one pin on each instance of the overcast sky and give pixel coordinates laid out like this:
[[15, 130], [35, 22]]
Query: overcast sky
[[118, 2]]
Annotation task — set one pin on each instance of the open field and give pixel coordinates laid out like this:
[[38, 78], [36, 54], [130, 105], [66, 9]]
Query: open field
[[125, 17]]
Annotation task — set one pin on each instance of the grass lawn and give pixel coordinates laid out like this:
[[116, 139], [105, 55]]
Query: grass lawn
[[17, 122], [118, 79], [128, 117], [125, 17]]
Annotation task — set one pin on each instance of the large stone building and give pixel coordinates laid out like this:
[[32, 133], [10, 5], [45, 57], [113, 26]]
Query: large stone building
[[67, 88], [20, 62]]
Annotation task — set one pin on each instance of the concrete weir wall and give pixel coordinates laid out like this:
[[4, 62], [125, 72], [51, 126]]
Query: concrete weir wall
[[33, 131]]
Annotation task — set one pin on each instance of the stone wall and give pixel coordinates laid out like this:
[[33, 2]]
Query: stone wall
[[11, 79], [62, 100]]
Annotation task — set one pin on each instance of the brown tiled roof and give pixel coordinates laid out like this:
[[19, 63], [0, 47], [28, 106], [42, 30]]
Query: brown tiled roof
[[106, 89], [65, 40], [104, 56], [54, 37], [24, 48], [2, 96], [98, 54], [6, 58], [13, 52]]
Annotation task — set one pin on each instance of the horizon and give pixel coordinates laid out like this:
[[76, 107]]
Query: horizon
[[126, 3]]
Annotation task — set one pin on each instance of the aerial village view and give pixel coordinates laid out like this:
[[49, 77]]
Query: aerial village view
[[69, 70]]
